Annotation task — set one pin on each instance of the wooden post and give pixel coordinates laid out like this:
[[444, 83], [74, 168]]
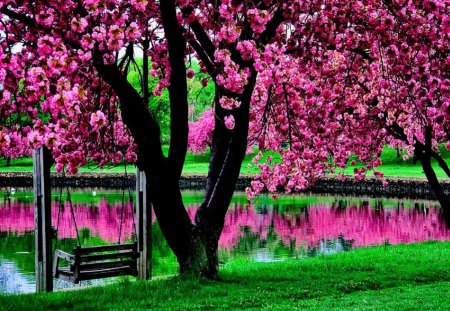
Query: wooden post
[[144, 227], [42, 219]]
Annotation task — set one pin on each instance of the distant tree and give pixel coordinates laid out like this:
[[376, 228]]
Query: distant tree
[[201, 132]]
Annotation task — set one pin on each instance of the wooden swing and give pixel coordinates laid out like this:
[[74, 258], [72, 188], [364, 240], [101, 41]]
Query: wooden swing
[[95, 262]]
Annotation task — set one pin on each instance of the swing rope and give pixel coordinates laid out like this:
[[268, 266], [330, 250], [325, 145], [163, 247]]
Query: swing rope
[[121, 215], [72, 211], [73, 216], [130, 201], [60, 206], [132, 206], [133, 213]]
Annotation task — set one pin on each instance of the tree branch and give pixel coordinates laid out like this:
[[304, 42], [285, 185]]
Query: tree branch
[[135, 114], [272, 26], [363, 53], [441, 162], [203, 57], [18, 17], [177, 88], [203, 39]]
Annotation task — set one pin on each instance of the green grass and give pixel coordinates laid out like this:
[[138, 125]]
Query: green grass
[[197, 164], [394, 166], [403, 277]]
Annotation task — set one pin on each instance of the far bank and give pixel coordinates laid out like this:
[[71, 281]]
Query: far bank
[[397, 187]]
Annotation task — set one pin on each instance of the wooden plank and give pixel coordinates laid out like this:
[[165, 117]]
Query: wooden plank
[[106, 265], [67, 275], [147, 252], [37, 218], [105, 273], [55, 266], [65, 271], [63, 255], [144, 226], [103, 248], [43, 231], [76, 266], [91, 258], [140, 180]]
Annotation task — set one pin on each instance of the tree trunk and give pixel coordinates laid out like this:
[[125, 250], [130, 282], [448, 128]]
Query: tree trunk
[[227, 153], [181, 235], [444, 201]]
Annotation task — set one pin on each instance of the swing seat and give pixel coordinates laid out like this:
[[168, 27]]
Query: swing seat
[[95, 262]]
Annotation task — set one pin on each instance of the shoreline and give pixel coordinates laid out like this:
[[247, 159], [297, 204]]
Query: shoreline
[[397, 187]]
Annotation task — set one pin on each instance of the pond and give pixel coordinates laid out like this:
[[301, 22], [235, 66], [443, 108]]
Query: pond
[[294, 226]]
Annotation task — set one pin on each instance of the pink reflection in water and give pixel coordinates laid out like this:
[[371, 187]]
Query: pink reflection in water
[[364, 225], [102, 220]]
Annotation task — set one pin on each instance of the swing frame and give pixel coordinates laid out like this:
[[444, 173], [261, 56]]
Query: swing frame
[[96, 262], [42, 161]]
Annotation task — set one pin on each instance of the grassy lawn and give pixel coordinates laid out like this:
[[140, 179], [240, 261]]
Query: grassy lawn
[[197, 164], [403, 277], [393, 166]]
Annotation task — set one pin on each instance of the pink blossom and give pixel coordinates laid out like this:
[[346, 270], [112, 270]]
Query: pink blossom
[[35, 139], [190, 73], [229, 103], [139, 5], [98, 119], [78, 25], [229, 122]]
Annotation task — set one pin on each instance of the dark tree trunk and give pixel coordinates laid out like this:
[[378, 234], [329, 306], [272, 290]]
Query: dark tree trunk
[[227, 153], [425, 159], [176, 225], [8, 161], [424, 152]]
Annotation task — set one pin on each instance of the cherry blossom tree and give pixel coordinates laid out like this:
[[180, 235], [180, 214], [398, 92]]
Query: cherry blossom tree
[[326, 79]]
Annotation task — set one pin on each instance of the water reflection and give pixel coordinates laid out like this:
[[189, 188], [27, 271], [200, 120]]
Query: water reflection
[[295, 226], [14, 280]]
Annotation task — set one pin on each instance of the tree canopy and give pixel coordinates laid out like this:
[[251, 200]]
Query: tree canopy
[[316, 81]]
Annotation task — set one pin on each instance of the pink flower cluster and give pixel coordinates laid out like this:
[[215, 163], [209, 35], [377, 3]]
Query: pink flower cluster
[[233, 78], [258, 19]]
